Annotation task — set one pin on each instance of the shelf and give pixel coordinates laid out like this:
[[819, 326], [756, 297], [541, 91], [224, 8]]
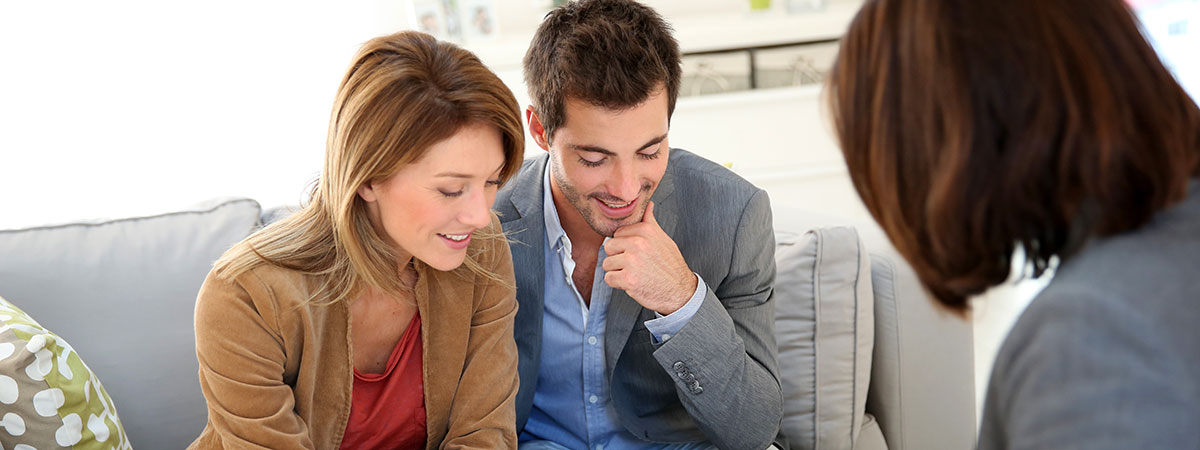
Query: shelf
[[707, 32]]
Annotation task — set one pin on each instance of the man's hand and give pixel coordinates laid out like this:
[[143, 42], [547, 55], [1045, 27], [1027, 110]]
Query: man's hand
[[644, 262]]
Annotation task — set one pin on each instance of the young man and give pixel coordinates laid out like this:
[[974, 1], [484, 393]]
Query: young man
[[644, 273]]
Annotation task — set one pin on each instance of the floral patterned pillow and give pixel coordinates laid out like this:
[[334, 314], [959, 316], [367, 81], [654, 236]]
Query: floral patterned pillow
[[49, 399]]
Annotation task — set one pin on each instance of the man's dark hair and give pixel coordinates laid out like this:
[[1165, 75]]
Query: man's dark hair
[[610, 53]]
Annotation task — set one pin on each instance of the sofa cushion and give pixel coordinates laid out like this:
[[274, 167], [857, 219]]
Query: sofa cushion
[[123, 292], [825, 330], [50, 398]]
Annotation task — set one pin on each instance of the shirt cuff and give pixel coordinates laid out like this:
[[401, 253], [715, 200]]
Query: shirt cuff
[[663, 327]]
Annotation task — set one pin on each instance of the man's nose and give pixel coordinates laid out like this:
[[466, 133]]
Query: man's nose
[[624, 183]]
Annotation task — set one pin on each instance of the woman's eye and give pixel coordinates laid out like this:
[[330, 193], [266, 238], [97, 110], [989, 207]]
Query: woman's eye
[[493, 183], [451, 194]]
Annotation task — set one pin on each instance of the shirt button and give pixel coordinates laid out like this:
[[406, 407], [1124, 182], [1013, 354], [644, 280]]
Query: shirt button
[[665, 337], [592, 340], [593, 399], [599, 446]]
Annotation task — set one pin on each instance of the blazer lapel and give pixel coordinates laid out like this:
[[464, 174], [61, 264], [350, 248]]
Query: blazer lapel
[[525, 227]]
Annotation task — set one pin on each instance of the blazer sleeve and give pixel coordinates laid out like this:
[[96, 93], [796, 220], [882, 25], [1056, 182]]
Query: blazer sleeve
[[241, 353], [483, 415], [724, 361]]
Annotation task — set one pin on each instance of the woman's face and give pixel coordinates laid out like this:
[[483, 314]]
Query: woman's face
[[430, 208]]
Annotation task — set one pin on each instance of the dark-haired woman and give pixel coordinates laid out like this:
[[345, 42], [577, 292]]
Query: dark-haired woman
[[974, 128]]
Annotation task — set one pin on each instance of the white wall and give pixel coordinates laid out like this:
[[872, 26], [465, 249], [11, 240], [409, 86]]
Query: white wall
[[116, 108], [779, 139], [1174, 28]]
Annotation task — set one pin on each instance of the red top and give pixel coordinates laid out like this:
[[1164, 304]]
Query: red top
[[387, 410]]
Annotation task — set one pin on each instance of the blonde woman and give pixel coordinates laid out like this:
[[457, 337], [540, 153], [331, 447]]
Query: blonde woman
[[381, 314]]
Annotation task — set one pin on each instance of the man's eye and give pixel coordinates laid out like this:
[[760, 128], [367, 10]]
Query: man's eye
[[654, 155], [587, 163]]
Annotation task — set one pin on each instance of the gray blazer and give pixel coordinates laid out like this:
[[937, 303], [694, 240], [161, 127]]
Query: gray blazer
[[722, 225], [1108, 355]]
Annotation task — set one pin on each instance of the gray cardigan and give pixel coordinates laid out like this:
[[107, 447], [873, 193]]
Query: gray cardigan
[[1108, 355]]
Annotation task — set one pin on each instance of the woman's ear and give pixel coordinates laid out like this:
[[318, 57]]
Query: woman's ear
[[367, 192]]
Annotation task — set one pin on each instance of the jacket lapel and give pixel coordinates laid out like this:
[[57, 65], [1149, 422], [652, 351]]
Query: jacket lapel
[[525, 227], [520, 207]]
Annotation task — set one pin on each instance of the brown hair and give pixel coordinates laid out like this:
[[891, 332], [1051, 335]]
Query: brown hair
[[972, 128], [402, 94], [610, 53]]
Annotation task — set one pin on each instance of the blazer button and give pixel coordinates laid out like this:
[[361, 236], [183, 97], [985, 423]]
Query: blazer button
[[689, 377], [678, 366], [696, 389]]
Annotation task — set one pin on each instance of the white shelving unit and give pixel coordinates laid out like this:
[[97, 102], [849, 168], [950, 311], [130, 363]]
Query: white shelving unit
[[725, 26]]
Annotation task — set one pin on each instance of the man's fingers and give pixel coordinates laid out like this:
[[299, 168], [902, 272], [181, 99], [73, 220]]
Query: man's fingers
[[637, 229], [648, 216], [613, 263], [635, 243], [613, 280], [614, 246], [627, 230], [647, 225]]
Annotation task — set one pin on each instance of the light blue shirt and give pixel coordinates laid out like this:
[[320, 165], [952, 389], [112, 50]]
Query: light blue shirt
[[571, 405]]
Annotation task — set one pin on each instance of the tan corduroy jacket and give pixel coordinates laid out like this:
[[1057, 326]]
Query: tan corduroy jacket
[[279, 375]]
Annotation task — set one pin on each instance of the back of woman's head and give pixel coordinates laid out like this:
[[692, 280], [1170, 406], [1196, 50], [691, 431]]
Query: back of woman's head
[[975, 127], [402, 94]]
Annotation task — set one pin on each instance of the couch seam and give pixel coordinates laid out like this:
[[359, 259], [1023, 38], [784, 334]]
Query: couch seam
[[816, 277], [854, 362]]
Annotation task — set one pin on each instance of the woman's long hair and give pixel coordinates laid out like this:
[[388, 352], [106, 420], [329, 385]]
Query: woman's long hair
[[403, 93], [974, 127]]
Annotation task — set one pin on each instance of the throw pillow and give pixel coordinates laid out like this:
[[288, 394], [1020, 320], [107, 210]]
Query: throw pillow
[[50, 398], [824, 325]]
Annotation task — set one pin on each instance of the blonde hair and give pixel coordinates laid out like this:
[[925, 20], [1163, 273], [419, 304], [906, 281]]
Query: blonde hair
[[403, 93]]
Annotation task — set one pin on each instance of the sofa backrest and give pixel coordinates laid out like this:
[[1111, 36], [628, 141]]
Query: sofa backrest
[[123, 293]]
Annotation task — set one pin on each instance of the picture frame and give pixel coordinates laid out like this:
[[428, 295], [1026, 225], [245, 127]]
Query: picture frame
[[479, 20], [429, 16]]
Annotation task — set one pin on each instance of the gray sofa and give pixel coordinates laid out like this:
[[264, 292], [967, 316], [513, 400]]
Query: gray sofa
[[868, 362]]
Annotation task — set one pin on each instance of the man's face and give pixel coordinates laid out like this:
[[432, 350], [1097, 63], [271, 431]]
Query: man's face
[[607, 163]]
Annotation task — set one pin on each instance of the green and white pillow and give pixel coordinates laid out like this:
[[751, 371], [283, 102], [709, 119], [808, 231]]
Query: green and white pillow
[[49, 399]]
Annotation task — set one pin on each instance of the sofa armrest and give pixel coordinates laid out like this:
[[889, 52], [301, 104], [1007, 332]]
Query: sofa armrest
[[922, 379]]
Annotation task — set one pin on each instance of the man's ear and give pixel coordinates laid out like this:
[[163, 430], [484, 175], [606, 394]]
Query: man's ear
[[536, 130]]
